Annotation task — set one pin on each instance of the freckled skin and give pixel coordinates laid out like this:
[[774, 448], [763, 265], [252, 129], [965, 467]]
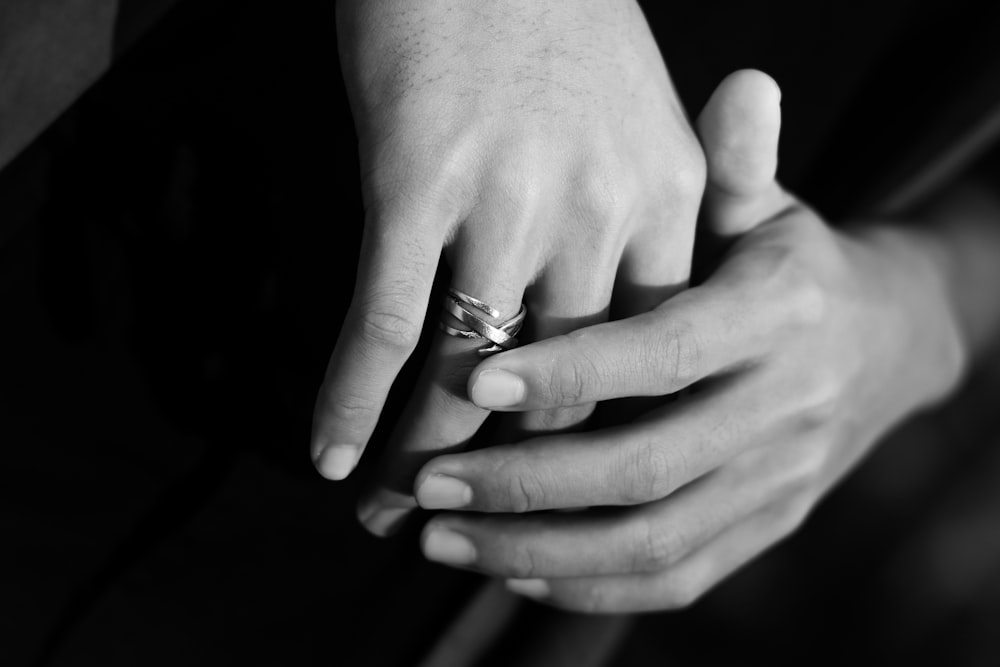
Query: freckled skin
[[539, 146], [511, 92]]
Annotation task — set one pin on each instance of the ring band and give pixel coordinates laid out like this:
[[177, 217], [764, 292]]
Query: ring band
[[468, 310], [473, 301]]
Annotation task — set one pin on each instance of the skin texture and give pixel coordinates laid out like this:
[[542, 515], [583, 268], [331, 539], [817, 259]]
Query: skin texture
[[802, 348], [540, 146]]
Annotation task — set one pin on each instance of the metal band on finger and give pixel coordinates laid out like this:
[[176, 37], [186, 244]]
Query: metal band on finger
[[473, 301], [502, 337], [511, 327], [469, 311], [495, 334]]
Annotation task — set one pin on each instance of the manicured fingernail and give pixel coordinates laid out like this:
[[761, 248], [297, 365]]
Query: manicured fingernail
[[337, 461], [497, 388], [532, 588], [450, 548], [384, 521], [443, 492]]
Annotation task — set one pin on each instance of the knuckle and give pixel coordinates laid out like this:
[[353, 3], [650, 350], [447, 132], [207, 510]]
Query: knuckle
[[679, 355], [523, 492], [522, 182], [558, 419], [384, 326], [350, 408], [680, 176], [607, 196], [654, 549], [646, 472], [570, 382], [522, 563], [805, 471], [593, 599], [421, 170], [806, 300], [819, 404], [690, 176]]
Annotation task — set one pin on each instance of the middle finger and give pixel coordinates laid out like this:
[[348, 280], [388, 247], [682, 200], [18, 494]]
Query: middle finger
[[631, 464]]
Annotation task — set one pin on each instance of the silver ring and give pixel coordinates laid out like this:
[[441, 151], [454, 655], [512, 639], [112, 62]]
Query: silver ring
[[469, 311]]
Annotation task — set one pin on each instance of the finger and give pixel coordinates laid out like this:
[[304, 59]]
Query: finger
[[649, 538], [739, 129], [656, 262], [439, 417], [436, 420], [703, 331], [655, 266], [653, 269], [567, 297], [399, 257], [625, 465], [676, 587]]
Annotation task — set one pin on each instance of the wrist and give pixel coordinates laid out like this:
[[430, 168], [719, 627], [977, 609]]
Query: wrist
[[915, 288]]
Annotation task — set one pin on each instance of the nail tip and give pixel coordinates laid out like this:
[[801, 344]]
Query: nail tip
[[532, 588], [496, 388], [448, 547], [382, 522], [337, 462], [443, 492]]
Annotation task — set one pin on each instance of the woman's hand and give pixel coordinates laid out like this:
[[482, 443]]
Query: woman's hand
[[804, 347], [541, 146]]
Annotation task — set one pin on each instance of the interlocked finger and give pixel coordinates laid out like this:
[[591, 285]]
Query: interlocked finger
[[675, 587], [608, 541]]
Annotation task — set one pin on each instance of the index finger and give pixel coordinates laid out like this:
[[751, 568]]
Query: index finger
[[399, 256], [631, 464], [700, 332]]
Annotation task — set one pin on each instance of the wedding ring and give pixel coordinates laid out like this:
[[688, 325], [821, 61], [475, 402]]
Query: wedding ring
[[470, 311]]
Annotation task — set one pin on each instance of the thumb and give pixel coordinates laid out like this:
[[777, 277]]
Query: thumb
[[739, 129]]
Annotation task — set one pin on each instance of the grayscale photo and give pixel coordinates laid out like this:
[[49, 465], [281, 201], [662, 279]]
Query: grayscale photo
[[499, 333]]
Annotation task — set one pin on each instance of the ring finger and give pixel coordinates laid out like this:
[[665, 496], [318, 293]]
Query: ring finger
[[567, 297]]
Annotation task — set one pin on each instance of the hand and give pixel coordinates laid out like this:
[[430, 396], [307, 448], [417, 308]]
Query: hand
[[805, 346], [541, 145]]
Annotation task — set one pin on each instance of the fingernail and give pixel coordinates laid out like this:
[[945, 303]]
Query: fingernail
[[532, 588], [443, 492], [450, 548], [384, 522], [337, 461], [497, 388]]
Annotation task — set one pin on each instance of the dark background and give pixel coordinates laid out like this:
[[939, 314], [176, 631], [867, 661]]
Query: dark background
[[176, 254]]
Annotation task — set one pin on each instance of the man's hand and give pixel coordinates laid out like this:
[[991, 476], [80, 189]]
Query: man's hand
[[806, 345], [541, 146]]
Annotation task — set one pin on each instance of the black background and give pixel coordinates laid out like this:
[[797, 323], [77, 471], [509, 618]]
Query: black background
[[175, 258]]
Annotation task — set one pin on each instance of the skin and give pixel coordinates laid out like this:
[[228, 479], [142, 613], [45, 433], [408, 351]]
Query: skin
[[803, 348], [540, 147]]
